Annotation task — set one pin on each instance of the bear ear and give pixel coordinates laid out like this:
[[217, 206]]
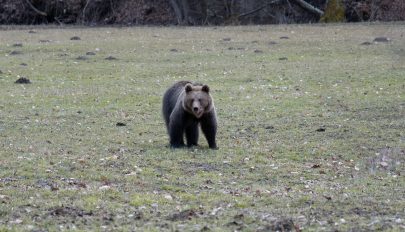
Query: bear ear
[[205, 88], [188, 88]]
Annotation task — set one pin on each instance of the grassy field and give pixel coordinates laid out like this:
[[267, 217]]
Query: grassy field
[[311, 129]]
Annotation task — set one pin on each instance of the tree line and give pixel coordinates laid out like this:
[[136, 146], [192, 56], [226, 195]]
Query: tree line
[[197, 12]]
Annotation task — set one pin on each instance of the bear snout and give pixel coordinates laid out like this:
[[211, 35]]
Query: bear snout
[[195, 109]]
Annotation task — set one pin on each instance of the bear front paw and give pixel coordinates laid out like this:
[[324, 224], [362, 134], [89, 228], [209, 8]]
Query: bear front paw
[[214, 147], [174, 146]]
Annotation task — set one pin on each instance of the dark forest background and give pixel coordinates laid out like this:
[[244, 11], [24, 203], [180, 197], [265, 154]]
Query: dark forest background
[[197, 12]]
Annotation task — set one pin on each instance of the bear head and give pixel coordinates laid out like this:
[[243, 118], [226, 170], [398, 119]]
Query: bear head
[[197, 100]]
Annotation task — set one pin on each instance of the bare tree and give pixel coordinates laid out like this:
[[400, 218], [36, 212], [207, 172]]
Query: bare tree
[[259, 8], [189, 11], [35, 9]]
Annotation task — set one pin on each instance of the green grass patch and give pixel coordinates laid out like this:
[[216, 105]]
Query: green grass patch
[[311, 129]]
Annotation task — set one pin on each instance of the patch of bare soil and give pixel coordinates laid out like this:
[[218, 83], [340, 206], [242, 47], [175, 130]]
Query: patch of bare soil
[[285, 224], [378, 113], [65, 211], [183, 215], [193, 167], [388, 159]]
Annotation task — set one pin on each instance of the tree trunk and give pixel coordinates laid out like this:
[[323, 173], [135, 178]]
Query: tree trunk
[[35, 9], [177, 11], [309, 7]]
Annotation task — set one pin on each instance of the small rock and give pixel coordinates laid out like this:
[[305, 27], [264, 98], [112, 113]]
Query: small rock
[[382, 39], [272, 42], [322, 129], [205, 228], [16, 53], [44, 41], [75, 38], [258, 51], [284, 37], [384, 164], [120, 124], [23, 80], [366, 43], [4, 197], [174, 50], [104, 187], [81, 58], [17, 45], [283, 58], [90, 53], [32, 32], [24, 64], [327, 197], [226, 39], [111, 58], [234, 223], [16, 221]]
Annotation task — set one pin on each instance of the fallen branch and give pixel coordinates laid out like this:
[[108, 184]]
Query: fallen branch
[[258, 9], [309, 7], [35, 9]]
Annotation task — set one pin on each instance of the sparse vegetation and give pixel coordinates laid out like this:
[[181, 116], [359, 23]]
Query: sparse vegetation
[[313, 141], [334, 12]]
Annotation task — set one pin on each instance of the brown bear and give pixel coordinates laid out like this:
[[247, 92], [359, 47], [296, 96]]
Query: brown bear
[[185, 106]]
